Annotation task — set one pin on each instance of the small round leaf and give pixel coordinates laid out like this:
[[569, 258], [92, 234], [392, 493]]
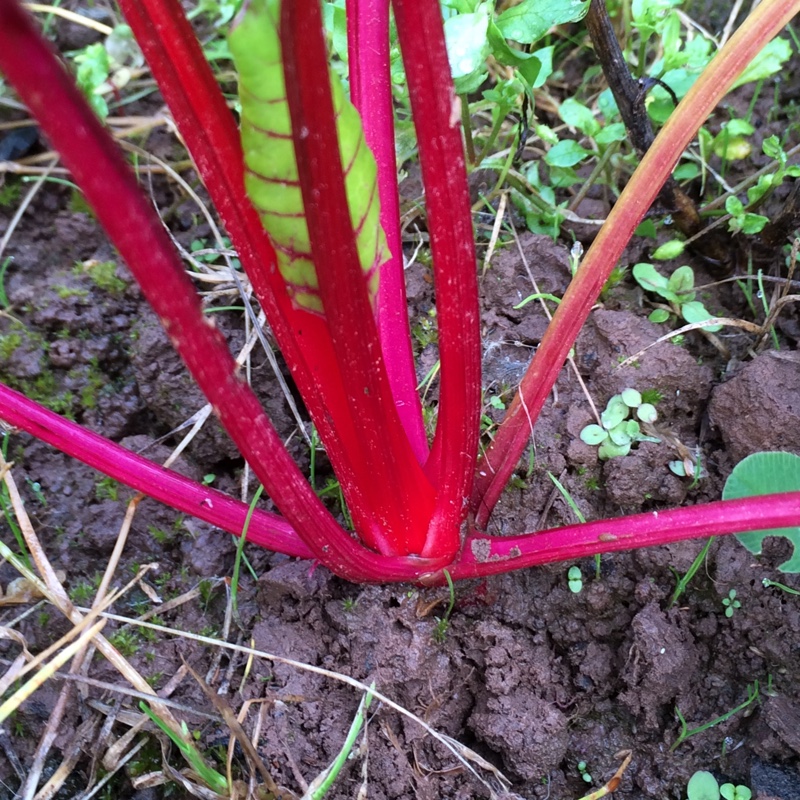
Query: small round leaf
[[619, 435], [610, 450], [593, 435], [615, 412], [632, 429], [647, 412], [695, 311], [677, 468], [703, 786], [658, 315], [682, 282], [631, 398]]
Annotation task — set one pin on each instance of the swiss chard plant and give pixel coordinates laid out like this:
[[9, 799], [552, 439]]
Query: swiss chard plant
[[298, 193]]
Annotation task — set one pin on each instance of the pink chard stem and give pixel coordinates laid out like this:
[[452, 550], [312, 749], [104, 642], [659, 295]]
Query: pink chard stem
[[371, 94], [437, 118], [490, 555], [165, 485], [497, 466]]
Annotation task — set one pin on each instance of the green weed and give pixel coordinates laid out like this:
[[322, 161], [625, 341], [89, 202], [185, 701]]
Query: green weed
[[687, 733], [617, 432]]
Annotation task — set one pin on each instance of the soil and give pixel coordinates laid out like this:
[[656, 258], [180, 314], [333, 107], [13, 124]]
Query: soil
[[532, 677]]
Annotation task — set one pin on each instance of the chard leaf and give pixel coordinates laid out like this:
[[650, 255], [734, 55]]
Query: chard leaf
[[271, 177]]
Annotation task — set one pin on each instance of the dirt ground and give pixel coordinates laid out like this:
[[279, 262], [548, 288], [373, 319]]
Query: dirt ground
[[532, 677]]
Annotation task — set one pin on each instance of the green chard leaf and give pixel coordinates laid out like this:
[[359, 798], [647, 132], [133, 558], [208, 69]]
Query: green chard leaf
[[271, 177]]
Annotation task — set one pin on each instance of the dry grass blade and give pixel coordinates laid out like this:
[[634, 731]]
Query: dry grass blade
[[119, 546], [8, 633], [498, 224], [117, 767], [138, 721], [25, 691], [7, 746], [67, 637], [221, 705], [194, 789], [78, 19], [12, 672], [176, 602], [52, 589], [549, 316], [750, 327], [776, 309], [613, 783], [26, 201], [74, 751], [463, 754]]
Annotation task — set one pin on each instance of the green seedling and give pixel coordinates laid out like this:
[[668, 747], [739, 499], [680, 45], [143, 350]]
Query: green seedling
[[103, 68], [206, 589], [205, 251], [93, 68], [743, 221], [4, 303], [766, 583], [612, 784], [578, 515], [81, 593], [240, 556], [690, 573], [575, 583], [218, 12], [319, 787], [772, 149], [677, 290], [731, 603], [702, 786], [618, 432], [209, 776], [126, 641], [36, 488], [731, 792], [443, 623], [587, 778], [106, 489], [731, 143], [686, 733], [687, 469]]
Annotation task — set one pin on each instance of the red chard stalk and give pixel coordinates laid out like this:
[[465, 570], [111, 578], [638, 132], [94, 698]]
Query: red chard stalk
[[314, 217]]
